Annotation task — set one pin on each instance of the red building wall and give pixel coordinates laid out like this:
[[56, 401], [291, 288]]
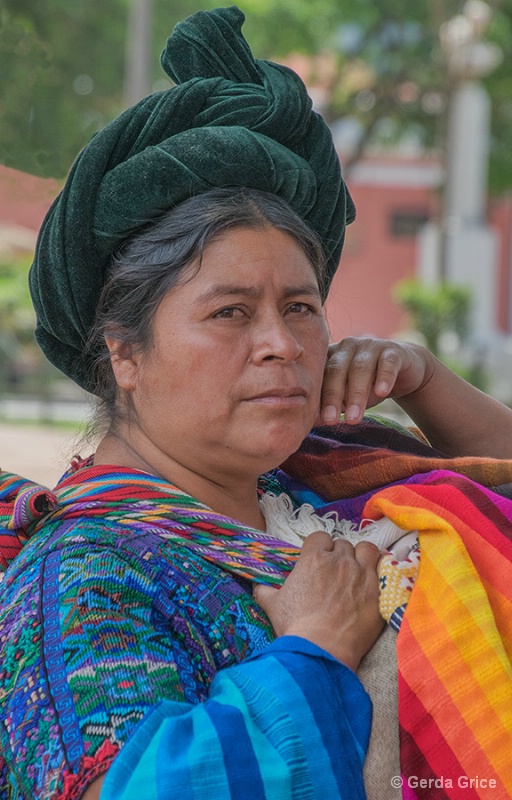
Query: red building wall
[[392, 199], [391, 195], [500, 217], [24, 199]]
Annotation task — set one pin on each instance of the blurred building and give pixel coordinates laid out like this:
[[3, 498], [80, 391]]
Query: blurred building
[[395, 197], [24, 200]]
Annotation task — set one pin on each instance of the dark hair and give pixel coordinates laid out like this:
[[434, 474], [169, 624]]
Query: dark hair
[[151, 262]]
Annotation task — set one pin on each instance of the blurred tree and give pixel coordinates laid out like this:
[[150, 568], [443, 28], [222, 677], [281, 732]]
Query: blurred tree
[[436, 310], [390, 75], [440, 310], [60, 64], [381, 64], [17, 320]]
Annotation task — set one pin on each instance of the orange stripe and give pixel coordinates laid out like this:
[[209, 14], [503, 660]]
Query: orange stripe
[[405, 504], [491, 760], [461, 688], [424, 728], [470, 690]]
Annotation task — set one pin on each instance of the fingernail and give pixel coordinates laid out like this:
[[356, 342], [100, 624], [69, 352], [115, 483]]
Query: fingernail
[[352, 412], [382, 387], [330, 414]]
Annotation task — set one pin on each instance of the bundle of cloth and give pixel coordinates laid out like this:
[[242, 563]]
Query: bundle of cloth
[[454, 645]]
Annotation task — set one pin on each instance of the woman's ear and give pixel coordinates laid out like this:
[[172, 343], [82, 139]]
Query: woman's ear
[[125, 360]]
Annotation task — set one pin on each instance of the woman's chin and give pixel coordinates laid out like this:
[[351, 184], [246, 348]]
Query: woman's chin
[[277, 448]]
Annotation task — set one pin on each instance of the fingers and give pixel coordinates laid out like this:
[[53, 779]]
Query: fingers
[[264, 595], [335, 381], [358, 374], [331, 597], [368, 555], [316, 542], [365, 555]]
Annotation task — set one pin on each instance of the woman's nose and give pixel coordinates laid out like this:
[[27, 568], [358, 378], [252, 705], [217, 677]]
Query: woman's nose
[[273, 339]]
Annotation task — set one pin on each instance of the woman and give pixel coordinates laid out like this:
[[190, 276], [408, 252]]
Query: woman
[[213, 378], [133, 643], [230, 121], [195, 310]]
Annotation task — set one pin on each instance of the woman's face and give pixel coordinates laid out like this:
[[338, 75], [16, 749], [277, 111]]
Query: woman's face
[[232, 379]]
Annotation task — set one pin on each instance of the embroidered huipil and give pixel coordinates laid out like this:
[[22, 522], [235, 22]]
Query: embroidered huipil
[[122, 636]]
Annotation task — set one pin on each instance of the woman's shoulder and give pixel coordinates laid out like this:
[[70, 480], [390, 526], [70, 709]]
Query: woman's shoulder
[[73, 518], [58, 555], [99, 545]]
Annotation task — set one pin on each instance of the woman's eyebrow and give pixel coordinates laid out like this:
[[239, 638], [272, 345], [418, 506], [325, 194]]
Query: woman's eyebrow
[[254, 292], [310, 289]]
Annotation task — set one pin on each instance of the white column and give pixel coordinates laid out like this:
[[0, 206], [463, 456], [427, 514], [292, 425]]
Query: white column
[[470, 246], [137, 80], [468, 153]]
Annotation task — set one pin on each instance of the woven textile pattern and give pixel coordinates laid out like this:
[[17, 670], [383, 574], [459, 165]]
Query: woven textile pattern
[[143, 601], [123, 621]]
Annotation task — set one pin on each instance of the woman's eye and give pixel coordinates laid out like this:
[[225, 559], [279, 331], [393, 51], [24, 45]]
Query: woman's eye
[[300, 308], [228, 313]]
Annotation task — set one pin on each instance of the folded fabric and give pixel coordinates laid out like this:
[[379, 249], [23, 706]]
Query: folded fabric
[[232, 120], [22, 503], [455, 642], [350, 461], [454, 648], [397, 570]]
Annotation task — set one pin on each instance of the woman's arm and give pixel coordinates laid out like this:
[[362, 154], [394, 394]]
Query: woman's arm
[[290, 722], [456, 417], [95, 668]]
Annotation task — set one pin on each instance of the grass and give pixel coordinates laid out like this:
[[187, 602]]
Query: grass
[[61, 424]]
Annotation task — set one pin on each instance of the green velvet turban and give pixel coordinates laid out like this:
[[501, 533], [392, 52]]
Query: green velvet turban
[[231, 120]]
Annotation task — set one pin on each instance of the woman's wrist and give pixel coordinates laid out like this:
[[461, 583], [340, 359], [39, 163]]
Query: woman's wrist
[[323, 637]]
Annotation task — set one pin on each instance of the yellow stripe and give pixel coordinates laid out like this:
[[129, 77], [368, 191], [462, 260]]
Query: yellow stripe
[[455, 630]]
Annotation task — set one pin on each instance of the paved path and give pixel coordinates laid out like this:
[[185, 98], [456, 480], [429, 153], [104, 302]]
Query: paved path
[[40, 453]]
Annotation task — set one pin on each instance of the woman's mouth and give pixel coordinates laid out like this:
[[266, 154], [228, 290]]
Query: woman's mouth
[[280, 397]]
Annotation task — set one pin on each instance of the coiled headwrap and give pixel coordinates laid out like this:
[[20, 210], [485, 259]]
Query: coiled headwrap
[[231, 120]]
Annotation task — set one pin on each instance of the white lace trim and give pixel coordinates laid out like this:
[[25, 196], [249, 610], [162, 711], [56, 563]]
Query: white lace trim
[[294, 525]]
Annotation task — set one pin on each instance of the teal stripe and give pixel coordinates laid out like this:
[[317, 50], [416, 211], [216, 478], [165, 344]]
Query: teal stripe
[[174, 753], [270, 730], [206, 761], [153, 764], [271, 673], [126, 778], [171, 766]]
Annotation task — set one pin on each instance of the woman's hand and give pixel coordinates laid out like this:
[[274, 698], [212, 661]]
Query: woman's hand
[[331, 598], [362, 372]]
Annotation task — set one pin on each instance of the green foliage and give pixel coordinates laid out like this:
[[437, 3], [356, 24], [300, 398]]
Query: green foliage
[[17, 317], [23, 367], [17, 320], [60, 67], [62, 61], [435, 309], [499, 85]]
